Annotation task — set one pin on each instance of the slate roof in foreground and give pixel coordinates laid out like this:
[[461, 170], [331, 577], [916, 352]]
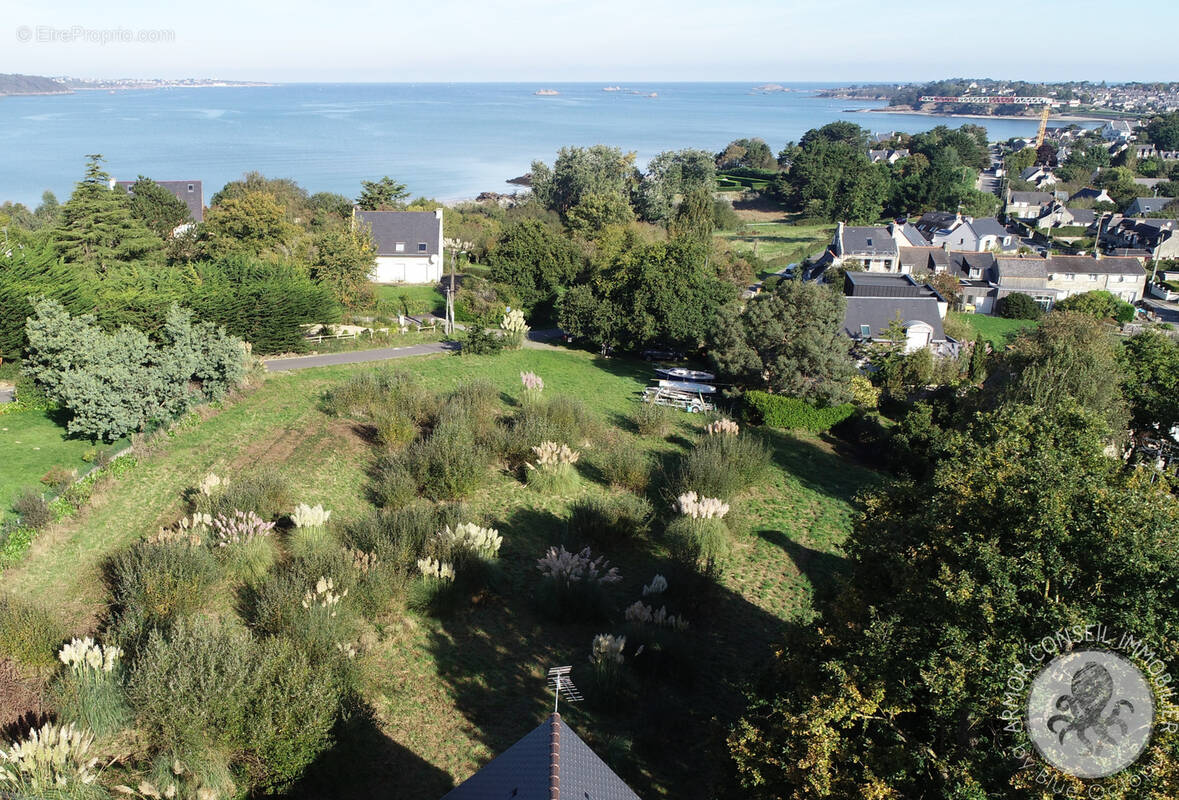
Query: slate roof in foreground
[[550, 763], [410, 228]]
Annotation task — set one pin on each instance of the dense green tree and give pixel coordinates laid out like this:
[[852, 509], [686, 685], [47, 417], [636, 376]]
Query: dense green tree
[[747, 153], [789, 341], [383, 195], [157, 208], [266, 303], [1068, 359], [694, 217], [115, 383], [900, 690], [97, 229], [343, 261], [1119, 183], [48, 213], [671, 175], [835, 181], [286, 192], [1163, 131], [1019, 160], [649, 294], [1098, 304], [250, 223], [1018, 306], [1084, 157], [595, 212], [849, 133], [581, 171], [535, 261], [27, 272], [1150, 382], [329, 209]]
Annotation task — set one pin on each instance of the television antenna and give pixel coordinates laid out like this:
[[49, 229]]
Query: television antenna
[[562, 684]]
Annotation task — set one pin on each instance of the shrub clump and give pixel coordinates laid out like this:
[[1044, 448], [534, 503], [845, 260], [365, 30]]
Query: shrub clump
[[698, 537], [89, 691], [28, 634], [573, 585], [652, 419], [450, 463], [723, 466], [33, 509], [264, 492], [205, 687], [459, 561], [608, 520], [553, 471], [52, 761], [625, 466], [156, 584], [792, 413]]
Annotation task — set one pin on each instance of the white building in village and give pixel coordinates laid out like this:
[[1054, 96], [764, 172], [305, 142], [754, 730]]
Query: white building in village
[[409, 244]]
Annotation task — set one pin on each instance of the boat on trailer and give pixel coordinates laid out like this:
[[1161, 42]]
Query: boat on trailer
[[685, 374]]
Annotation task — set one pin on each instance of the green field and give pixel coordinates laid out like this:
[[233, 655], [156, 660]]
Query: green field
[[412, 299], [779, 242], [996, 330], [449, 693], [32, 442]]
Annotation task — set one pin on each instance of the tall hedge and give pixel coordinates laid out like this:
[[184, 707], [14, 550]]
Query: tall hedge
[[795, 414], [263, 302]]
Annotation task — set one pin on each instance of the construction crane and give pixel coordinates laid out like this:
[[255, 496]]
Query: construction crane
[[1013, 100]]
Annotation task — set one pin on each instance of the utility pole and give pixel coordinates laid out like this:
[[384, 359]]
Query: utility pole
[[449, 324]]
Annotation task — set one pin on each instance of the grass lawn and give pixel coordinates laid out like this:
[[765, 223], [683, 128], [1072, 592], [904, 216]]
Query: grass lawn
[[32, 442], [412, 299], [779, 242], [996, 330], [449, 693]]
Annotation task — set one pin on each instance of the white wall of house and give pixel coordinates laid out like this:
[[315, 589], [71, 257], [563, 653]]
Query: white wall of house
[[408, 269], [1126, 287], [982, 301], [917, 335]]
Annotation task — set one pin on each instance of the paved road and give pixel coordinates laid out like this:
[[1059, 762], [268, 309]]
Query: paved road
[[1167, 312], [536, 339], [356, 356]]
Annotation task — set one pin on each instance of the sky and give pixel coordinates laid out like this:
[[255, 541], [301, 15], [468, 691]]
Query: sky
[[586, 40]]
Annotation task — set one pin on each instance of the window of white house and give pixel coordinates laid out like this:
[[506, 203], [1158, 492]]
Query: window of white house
[[1092, 276], [399, 247], [1071, 276], [1044, 301], [421, 247]]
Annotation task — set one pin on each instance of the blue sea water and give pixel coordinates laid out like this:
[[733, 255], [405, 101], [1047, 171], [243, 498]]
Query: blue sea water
[[447, 141]]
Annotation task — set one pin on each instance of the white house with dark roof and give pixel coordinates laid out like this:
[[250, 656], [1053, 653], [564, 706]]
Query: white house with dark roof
[[1026, 205], [1117, 130], [871, 247], [867, 319], [409, 244]]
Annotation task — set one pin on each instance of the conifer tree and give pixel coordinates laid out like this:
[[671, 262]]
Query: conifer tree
[[97, 229]]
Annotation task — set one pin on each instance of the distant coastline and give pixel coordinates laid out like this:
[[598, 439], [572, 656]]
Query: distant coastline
[[14, 85], [979, 117]]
